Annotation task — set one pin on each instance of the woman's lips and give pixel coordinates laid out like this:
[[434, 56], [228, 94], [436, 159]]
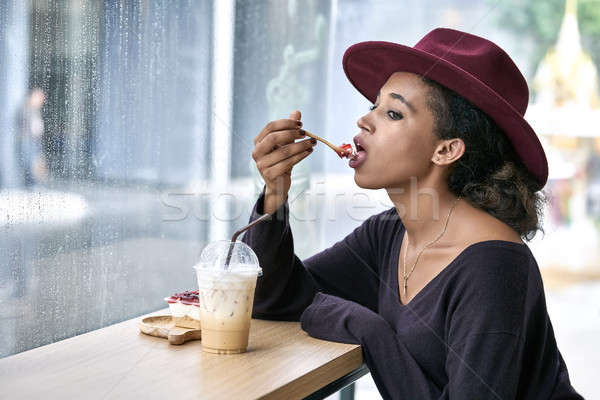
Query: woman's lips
[[358, 158]]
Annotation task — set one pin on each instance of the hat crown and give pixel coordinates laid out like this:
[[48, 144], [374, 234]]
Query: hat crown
[[482, 59]]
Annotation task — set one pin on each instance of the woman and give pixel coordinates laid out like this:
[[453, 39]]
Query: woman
[[440, 290], [30, 154]]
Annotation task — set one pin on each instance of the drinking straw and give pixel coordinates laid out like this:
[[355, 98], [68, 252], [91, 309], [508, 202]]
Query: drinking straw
[[262, 218]]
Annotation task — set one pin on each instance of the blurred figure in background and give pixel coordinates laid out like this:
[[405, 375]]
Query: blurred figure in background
[[30, 129]]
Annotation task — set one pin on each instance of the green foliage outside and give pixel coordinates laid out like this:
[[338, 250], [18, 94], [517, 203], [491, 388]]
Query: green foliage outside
[[541, 20]]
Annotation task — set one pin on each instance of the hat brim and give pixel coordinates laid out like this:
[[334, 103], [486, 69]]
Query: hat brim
[[368, 65]]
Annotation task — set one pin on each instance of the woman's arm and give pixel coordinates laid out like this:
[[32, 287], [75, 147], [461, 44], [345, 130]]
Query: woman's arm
[[485, 366], [347, 269], [486, 324], [394, 370]]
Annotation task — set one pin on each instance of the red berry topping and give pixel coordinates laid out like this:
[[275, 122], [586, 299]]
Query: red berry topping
[[347, 150], [189, 297]]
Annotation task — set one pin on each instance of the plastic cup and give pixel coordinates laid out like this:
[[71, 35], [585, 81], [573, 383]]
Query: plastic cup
[[226, 296]]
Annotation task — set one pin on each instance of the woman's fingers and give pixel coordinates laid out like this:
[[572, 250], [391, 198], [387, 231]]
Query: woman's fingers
[[296, 114], [274, 140], [279, 125], [276, 151], [283, 153], [283, 167]]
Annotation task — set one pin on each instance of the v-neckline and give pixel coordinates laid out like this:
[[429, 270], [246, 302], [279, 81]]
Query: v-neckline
[[396, 261]]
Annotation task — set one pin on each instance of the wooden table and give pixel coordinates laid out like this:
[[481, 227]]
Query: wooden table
[[282, 362]]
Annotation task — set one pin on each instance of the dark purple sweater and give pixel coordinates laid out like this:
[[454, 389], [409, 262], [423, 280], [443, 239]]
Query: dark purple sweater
[[478, 330]]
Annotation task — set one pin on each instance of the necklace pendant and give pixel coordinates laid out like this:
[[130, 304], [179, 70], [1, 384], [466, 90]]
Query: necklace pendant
[[405, 286]]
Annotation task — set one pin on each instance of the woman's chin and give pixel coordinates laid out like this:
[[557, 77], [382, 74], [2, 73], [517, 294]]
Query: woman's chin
[[363, 182]]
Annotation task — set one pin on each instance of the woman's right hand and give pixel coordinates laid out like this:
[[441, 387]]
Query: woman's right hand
[[275, 153]]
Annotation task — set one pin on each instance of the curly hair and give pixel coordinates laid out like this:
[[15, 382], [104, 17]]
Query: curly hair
[[489, 174]]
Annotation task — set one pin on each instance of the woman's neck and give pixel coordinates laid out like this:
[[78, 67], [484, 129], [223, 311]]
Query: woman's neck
[[423, 210]]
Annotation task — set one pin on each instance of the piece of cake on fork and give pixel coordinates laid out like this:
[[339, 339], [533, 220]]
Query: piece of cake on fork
[[185, 309]]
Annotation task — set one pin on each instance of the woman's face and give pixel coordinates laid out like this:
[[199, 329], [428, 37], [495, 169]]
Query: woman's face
[[397, 135]]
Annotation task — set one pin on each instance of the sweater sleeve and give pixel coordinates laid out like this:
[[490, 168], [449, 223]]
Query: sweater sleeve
[[485, 366], [486, 326], [395, 372], [288, 285]]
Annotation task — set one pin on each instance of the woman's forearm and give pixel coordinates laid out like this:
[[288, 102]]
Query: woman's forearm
[[273, 201], [285, 289]]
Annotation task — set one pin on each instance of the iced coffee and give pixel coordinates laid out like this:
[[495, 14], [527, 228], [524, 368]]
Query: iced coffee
[[226, 293]]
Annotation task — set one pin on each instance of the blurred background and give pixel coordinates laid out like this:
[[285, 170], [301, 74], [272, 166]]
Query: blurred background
[[126, 132]]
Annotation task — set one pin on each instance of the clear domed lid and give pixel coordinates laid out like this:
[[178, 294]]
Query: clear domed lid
[[241, 257]]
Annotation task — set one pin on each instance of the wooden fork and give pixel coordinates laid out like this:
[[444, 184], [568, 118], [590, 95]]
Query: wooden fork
[[335, 148]]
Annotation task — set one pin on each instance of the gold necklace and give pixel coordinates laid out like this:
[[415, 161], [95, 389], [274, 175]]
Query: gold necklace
[[404, 275]]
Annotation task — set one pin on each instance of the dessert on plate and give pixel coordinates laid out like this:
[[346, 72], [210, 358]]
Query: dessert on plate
[[185, 309]]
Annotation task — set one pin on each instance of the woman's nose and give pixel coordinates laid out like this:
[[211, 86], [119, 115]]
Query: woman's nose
[[364, 124]]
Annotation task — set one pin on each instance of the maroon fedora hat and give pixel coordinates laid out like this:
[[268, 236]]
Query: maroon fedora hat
[[473, 67]]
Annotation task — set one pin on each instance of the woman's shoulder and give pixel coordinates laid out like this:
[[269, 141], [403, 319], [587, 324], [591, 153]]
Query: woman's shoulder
[[496, 274], [490, 246], [496, 258]]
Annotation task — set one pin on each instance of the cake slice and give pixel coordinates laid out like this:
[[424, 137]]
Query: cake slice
[[185, 309]]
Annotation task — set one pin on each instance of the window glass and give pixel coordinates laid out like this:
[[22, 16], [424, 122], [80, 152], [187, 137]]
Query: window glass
[[105, 120]]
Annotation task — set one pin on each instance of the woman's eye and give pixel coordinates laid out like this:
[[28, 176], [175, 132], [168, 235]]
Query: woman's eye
[[394, 115]]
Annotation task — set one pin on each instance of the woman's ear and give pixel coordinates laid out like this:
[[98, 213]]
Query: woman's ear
[[448, 151]]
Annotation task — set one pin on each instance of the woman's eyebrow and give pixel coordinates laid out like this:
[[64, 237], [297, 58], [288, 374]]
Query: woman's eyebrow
[[402, 99]]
